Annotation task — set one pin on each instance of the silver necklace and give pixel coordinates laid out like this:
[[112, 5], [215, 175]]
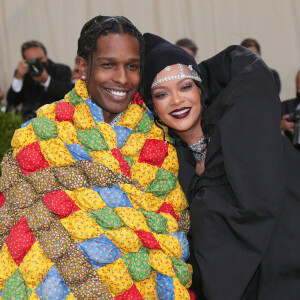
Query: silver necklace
[[200, 148], [116, 120]]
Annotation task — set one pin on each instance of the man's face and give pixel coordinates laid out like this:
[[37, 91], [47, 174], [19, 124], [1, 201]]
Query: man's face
[[35, 53], [115, 75], [253, 49]]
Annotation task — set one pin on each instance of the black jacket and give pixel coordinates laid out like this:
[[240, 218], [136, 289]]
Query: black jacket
[[245, 207], [33, 94]]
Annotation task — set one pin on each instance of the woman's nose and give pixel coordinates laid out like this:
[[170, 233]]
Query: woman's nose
[[177, 97]]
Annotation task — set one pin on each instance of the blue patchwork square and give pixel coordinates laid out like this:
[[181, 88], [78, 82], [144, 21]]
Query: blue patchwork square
[[100, 251]]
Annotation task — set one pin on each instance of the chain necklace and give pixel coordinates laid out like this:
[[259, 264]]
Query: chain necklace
[[200, 148]]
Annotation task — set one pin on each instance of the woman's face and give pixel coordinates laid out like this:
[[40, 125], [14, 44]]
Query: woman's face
[[115, 73], [177, 102]]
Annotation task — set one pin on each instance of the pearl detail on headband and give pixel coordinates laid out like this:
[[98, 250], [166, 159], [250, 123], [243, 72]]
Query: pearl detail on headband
[[193, 75]]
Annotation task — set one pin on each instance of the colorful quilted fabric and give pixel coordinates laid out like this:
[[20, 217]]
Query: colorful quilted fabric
[[90, 211]]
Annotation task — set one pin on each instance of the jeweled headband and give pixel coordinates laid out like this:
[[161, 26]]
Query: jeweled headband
[[182, 75]]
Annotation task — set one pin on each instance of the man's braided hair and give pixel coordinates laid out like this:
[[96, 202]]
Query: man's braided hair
[[104, 25]]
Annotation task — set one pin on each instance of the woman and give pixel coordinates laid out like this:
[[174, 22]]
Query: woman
[[91, 204], [240, 176]]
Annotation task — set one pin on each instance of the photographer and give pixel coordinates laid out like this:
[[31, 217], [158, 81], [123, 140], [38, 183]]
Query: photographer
[[290, 110], [37, 80]]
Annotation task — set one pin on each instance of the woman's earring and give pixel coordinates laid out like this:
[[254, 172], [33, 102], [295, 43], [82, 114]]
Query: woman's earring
[[83, 77]]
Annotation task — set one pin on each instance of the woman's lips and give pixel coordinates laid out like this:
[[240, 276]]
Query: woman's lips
[[180, 113]]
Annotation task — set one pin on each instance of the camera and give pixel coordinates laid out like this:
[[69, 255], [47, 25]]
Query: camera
[[36, 67], [291, 117], [295, 118], [296, 137]]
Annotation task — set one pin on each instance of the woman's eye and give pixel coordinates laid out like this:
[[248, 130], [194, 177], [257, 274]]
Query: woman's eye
[[159, 95], [186, 86]]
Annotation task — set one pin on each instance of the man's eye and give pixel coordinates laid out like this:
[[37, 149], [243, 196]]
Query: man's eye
[[134, 67], [107, 66]]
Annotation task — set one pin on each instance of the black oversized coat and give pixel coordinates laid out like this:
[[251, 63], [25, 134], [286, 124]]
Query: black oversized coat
[[245, 207]]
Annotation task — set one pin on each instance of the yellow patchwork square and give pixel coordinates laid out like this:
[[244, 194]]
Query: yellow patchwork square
[[109, 134], [107, 159], [140, 199], [161, 263], [116, 277], [152, 203], [180, 292], [172, 223], [47, 111], [169, 244], [177, 199], [132, 218], [147, 287], [23, 137], [70, 297], [35, 266], [171, 162], [133, 145], [81, 226], [66, 132], [143, 173], [125, 239], [157, 133], [132, 116], [81, 89], [82, 117], [34, 296], [86, 199], [56, 153], [7, 266]]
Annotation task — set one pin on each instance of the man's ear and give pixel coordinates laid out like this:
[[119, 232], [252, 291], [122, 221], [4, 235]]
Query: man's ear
[[82, 64]]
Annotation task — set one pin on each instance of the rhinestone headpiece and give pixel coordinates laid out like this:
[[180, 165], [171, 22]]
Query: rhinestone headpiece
[[193, 75]]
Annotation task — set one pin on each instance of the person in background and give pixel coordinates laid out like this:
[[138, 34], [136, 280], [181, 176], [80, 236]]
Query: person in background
[[254, 46], [288, 108], [188, 45], [37, 80], [243, 188]]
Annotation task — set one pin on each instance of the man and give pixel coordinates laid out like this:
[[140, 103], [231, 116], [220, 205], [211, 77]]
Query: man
[[188, 45], [37, 80], [288, 107], [254, 46]]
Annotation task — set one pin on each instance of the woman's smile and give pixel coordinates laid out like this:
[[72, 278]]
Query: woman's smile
[[180, 113]]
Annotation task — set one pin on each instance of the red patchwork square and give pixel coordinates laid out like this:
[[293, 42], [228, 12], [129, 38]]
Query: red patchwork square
[[154, 152], [123, 163], [148, 239], [31, 159], [60, 203], [64, 112], [19, 240], [168, 208], [132, 294], [2, 199]]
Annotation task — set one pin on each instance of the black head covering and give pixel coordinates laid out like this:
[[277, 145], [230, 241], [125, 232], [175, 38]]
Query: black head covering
[[159, 53]]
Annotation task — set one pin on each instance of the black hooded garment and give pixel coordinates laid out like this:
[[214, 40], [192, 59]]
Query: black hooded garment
[[245, 207]]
